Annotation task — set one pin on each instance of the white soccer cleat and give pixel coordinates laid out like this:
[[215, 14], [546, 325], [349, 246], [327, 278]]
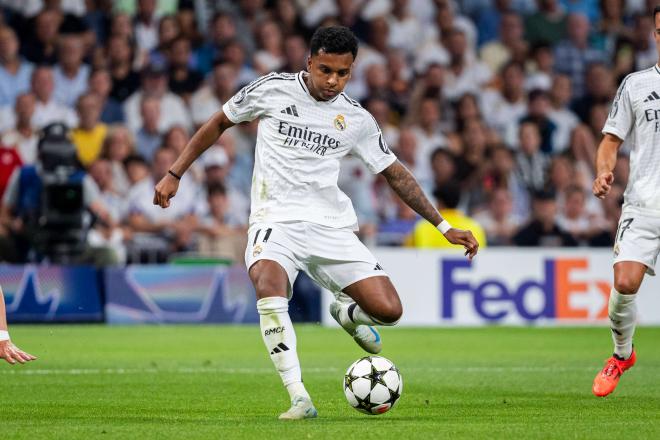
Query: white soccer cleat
[[301, 408], [366, 336]]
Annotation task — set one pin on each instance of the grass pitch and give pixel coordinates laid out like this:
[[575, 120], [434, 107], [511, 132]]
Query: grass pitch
[[218, 383]]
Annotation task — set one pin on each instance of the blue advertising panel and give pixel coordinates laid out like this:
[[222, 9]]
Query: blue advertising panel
[[179, 294], [51, 293]]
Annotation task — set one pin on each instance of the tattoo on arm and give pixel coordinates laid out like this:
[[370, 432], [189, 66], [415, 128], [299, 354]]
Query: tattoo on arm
[[404, 184]]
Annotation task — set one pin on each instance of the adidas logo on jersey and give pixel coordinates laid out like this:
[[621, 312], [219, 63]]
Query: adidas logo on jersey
[[291, 110], [652, 97]]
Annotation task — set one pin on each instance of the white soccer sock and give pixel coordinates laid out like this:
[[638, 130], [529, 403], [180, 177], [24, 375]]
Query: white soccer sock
[[280, 339], [622, 313], [353, 314]]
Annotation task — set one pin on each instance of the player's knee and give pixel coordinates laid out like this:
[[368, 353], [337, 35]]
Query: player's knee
[[390, 314], [626, 284]]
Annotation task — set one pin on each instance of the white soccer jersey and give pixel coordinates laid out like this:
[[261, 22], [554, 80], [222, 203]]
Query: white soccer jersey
[[300, 142], [636, 112]]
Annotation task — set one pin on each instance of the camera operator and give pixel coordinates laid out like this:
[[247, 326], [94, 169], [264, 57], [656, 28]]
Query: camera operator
[[45, 209]]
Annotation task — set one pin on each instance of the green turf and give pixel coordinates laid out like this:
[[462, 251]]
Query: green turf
[[217, 382]]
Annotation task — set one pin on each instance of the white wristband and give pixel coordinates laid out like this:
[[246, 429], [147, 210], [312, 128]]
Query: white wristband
[[444, 226], [4, 335]]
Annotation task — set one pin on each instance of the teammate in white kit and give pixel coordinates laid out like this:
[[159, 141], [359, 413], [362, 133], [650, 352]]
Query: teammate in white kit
[[299, 218], [635, 115]]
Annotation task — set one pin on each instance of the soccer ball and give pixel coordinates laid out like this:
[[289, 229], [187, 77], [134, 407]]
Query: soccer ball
[[372, 385]]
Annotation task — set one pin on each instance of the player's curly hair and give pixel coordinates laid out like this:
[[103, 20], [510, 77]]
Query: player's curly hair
[[334, 39]]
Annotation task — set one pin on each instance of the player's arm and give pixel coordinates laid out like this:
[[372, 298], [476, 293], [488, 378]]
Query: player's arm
[[405, 185], [605, 162], [8, 351], [206, 136]]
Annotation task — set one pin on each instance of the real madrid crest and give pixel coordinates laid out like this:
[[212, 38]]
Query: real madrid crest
[[257, 250], [340, 123]]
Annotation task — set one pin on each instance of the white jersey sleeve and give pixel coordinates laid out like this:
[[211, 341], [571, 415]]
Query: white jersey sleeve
[[371, 147], [621, 117], [249, 103]]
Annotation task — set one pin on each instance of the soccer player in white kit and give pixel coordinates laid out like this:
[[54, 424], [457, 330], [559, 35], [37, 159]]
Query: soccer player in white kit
[[299, 218], [635, 115]]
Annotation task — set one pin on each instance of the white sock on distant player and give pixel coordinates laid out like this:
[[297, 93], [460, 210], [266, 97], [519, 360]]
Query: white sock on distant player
[[622, 313], [280, 339]]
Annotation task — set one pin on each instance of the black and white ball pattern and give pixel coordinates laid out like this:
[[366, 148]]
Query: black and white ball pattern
[[372, 385]]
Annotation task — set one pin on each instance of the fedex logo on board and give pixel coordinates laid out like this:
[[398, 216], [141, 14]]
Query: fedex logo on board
[[565, 290]]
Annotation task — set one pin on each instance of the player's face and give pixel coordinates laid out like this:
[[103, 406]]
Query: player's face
[[328, 74]]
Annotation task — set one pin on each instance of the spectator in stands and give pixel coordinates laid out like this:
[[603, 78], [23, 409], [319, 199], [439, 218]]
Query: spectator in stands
[[216, 170], [149, 137], [429, 135], [137, 169], [40, 47], [220, 87], [443, 166], [510, 45], [295, 53], [547, 25], [90, 134], [538, 111], [222, 30], [509, 104], [541, 67], [467, 108], [183, 81], [560, 114], [489, 20], [118, 146], [234, 53], [404, 28], [531, 163], [269, 56], [498, 220], [100, 83], [645, 51], [172, 108], [23, 137], [600, 88], [15, 72], [218, 238], [48, 110], [159, 232], [425, 234], [381, 110], [146, 25], [103, 235], [574, 54], [502, 173], [586, 229], [542, 230], [168, 31], [406, 152], [125, 80], [71, 75], [465, 73]]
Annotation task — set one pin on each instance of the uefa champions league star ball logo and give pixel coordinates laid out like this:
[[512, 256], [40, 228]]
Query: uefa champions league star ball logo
[[340, 123], [238, 99]]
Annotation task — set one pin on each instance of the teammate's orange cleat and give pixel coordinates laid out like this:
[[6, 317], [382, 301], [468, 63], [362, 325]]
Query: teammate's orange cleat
[[608, 378]]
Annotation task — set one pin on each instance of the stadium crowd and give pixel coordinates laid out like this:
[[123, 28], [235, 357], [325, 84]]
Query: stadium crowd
[[495, 105]]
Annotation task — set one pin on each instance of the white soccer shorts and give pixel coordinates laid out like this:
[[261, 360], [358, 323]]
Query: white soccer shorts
[[637, 239], [334, 258]]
